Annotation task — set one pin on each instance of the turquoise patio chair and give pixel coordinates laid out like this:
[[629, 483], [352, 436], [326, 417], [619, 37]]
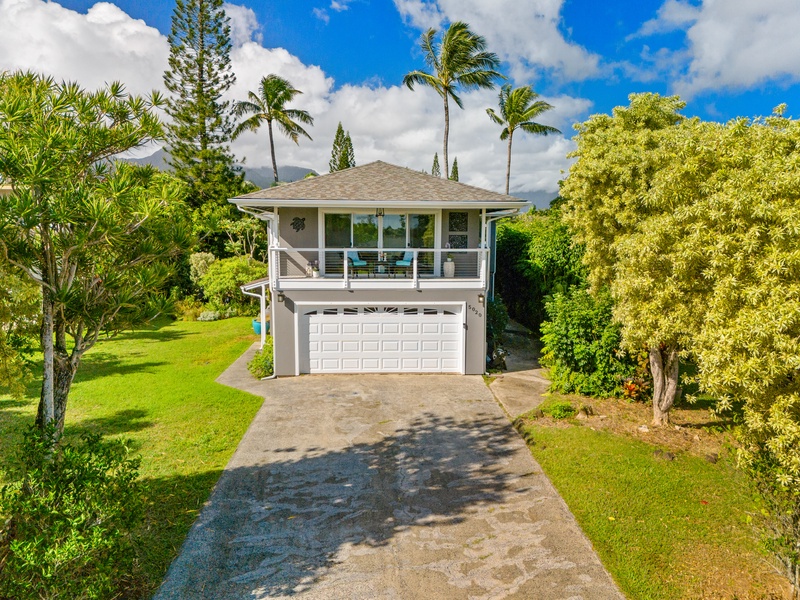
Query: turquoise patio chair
[[357, 264], [405, 262]]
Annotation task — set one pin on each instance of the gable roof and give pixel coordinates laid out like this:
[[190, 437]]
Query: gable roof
[[376, 183]]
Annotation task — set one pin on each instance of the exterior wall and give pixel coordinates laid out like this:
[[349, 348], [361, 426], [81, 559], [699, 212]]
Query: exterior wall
[[283, 319], [294, 263]]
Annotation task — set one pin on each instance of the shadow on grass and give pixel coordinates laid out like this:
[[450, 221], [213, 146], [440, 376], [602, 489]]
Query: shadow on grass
[[123, 421], [278, 528]]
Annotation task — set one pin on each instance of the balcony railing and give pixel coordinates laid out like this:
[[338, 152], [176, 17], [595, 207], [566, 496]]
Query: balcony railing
[[405, 267]]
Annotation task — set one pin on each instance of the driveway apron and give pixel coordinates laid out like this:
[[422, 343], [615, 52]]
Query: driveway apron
[[383, 486]]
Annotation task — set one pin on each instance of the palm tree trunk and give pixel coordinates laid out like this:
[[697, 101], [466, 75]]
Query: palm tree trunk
[[272, 150], [508, 166], [446, 135]]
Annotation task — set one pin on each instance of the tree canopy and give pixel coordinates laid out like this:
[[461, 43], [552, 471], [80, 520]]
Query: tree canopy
[[201, 123], [518, 108], [342, 154], [95, 235]]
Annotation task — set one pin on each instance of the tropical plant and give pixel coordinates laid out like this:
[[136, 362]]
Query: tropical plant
[[518, 108], [342, 154], [201, 125], [270, 104], [96, 236], [458, 61], [262, 364]]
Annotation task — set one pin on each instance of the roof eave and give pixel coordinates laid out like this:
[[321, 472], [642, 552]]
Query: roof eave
[[270, 202]]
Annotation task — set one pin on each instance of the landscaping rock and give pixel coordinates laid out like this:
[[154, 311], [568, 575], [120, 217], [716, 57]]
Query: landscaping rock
[[663, 455], [644, 429], [712, 458]]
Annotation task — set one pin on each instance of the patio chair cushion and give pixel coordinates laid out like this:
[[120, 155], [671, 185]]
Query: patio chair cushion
[[406, 261], [355, 259]]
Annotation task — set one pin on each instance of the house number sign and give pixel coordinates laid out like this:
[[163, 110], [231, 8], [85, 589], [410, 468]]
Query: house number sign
[[475, 310]]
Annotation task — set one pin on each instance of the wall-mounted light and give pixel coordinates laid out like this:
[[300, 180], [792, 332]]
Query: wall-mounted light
[[481, 298], [281, 297], [378, 212]]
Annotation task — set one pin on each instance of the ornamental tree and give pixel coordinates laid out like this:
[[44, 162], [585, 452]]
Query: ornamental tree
[[96, 236], [634, 241]]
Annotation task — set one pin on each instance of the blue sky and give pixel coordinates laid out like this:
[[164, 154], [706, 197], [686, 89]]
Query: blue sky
[[725, 57]]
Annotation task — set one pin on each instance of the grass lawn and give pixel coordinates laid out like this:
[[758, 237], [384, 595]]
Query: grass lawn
[[156, 388], [665, 529]]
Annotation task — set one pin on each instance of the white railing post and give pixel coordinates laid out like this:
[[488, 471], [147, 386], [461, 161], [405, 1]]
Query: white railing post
[[484, 265], [414, 270], [346, 269]]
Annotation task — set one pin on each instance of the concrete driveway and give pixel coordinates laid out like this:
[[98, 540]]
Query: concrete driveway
[[383, 486]]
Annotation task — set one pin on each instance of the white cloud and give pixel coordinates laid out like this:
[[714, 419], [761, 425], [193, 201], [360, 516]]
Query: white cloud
[[321, 14], [732, 43], [340, 6], [244, 24], [103, 45], [524, 34], [387, 123]]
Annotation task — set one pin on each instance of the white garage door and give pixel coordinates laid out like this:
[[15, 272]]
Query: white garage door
[[385, 339]]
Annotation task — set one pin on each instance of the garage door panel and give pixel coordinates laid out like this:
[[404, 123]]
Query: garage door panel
[[378, 339]]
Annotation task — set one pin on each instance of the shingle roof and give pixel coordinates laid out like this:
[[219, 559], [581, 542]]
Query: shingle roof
[[381, 182]]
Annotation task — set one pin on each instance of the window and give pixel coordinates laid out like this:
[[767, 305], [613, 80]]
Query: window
[[458, 228], [392, 231]]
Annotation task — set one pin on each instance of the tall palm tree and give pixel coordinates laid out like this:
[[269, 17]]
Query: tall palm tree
[[518, 108], [458, 61], [269, 105]]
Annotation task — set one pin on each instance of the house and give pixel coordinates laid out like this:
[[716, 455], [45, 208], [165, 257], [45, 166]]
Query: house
[[378, 268]]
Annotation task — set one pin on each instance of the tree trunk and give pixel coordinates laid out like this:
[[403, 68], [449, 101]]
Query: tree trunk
[[508, 166], [46, 412], [664, 364], [65, 370], [272, 150], [446, 135]]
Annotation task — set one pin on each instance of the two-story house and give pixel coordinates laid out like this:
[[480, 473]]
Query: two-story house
[[378, 268]]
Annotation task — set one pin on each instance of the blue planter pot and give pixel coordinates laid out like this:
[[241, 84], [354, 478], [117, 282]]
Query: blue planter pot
[[257, 326]]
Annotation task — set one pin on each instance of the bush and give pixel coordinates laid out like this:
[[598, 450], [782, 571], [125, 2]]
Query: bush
[[198, 265], [559, 410], [65, 526], [223, 278], [581, 345], [188, 309], [535, 259], [262, 364], [209, 315]]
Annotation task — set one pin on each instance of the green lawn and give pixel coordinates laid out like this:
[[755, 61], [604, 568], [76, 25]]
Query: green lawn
[[156, 387], [664, 529]]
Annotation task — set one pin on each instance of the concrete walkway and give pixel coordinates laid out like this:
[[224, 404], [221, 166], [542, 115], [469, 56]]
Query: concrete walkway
[[522, 386], [383, 486]]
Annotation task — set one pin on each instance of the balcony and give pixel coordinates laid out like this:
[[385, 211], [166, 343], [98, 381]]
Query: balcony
[[388, 268]]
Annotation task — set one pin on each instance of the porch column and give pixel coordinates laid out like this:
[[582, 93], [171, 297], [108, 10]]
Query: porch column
[[263, 315]]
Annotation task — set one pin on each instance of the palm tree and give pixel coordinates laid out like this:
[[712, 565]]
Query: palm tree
[[518, 108], [269, 105], [459, 60]]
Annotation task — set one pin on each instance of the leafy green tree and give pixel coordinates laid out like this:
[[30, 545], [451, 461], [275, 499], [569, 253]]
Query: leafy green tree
[[518, 109], [459, 60], [342, 155], [436, 170], [201, 125], [221, 281], [269, 105], [454, 172], [94, 235], [633, 241]]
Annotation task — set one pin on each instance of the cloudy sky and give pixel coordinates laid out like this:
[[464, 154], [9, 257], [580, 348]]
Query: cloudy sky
[[724, 57]]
